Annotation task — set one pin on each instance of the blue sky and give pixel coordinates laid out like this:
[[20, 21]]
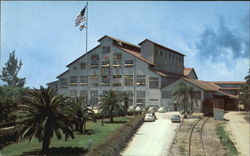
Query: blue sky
[[214, 36]]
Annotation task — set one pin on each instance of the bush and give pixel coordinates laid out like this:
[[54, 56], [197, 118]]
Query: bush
[[113, 145], [7, 136]]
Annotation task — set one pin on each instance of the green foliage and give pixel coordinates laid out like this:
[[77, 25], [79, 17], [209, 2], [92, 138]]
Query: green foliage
[[9, 97], [11, 70], [43, 114], [82, 113], [180, 93], [100, 133], [184, 95], [244, 93], [111, 105], [124, 97], [226, 140], [113, 145]]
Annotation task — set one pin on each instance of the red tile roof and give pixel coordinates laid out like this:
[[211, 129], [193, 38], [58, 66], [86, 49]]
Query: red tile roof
[[208, 86], [187, 71], [228, 82], [203, 84], [161, 46], [230, 88], [167, 74]]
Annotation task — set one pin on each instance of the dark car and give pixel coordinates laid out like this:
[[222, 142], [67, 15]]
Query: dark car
[[176, 118]]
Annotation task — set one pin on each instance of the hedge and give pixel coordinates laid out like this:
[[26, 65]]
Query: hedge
[[114, 144], [7, 136]]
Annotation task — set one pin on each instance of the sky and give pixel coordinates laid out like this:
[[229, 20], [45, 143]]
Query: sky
[[214, 36]]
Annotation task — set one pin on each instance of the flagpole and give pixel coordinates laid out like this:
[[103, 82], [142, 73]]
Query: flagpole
[[86, 50]]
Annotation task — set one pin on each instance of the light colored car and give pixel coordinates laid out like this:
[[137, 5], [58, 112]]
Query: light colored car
[[138, 109], [152, 110], [176, 118], [149, 117], [131, 109], [162, 110]]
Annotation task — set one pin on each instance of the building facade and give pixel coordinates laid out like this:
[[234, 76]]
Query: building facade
[[148, 70]]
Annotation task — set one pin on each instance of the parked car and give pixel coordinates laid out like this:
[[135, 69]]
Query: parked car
[[131, 109], [138, 109], [162, 110], [149, 117], [176, 118], [152, 110]]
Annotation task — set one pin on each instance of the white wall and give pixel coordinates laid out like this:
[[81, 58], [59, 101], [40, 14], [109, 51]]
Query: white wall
[[140, 67]]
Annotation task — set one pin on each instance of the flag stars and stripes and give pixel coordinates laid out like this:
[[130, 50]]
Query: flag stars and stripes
[[81, 18]]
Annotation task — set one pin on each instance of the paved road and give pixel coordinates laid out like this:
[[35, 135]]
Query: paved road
[[153, 138], [240, 131]]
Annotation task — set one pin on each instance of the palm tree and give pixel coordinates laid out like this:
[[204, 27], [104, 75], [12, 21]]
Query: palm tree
[[82, 113], [45, 113], [124, 97], [180, 93], [191, 94], [110, 105]]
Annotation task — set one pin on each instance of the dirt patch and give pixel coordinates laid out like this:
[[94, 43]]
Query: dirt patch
[[211, 140]]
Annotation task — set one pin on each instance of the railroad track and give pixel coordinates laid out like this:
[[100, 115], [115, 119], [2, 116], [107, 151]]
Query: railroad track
[[196, 146]]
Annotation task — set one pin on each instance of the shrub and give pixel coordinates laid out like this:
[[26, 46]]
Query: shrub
[[113, 145], [7, 136]]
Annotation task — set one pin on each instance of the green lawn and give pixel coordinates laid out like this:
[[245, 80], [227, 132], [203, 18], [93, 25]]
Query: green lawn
[[81, 141]]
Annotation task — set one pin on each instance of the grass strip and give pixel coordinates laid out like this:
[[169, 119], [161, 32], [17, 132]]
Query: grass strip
[[226, 140]]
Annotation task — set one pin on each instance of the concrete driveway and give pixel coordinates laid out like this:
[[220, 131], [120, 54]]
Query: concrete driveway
[[153, 138]]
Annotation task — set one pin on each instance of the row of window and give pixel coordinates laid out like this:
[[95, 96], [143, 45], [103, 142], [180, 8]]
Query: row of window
[[116, 56], [169, 56], [106, 64], [168, 95], [94, 96], [105, 81]]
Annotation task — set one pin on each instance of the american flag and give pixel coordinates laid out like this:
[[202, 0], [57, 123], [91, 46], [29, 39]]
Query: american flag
[[81, 18]]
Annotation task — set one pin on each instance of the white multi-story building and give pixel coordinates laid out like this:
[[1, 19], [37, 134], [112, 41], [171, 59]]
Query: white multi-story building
[[148, 70]]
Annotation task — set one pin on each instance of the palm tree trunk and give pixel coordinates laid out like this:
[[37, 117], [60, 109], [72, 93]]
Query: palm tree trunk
[[84, 125], [81, 127], [46, 141], [192, 107], [126, 107], [111, 117]]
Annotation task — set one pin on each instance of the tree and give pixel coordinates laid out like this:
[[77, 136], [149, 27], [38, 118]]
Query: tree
[[191, 95], [124, 97], [180, 93], [247, 78], [244, 96], [43, 114], [11, 70], [244, 93], [110, 105], [8, 102], [82, 113]]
